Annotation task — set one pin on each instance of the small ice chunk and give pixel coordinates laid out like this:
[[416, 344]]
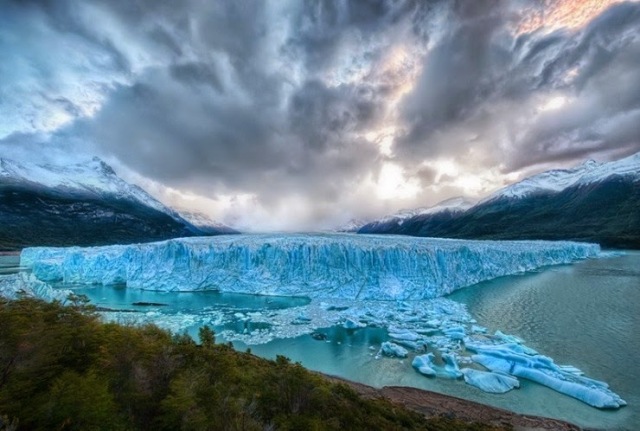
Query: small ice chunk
[[451, 366], [409, 344], [487, 381], [433, 323], [352, 324], [508, 338], [477, 329], [392, 349], [455, 333], [424, 364], [404, 335], [301, 320]]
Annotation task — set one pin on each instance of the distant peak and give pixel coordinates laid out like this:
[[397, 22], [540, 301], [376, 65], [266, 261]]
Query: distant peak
[[556, 180], [103, 166]]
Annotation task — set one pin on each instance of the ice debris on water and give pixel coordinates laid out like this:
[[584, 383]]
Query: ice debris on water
[[424, 364], [512, 360], [434, 325], [392, 349]]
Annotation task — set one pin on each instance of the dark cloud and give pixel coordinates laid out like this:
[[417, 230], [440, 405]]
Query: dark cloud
[[603, 114], [482, 81], [459, 74], [323, 26], [292, 101]]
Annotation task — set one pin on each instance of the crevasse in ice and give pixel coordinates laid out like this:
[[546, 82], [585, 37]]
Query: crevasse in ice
[[318, 266]]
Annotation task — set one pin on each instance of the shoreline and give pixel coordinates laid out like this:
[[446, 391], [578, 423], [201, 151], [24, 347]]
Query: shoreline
[[434, 404]]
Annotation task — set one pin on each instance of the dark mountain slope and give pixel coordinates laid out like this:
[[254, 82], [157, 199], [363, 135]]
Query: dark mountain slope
[[83, 204], [604, 208]]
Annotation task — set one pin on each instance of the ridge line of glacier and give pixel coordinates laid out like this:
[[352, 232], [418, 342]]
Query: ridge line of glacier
[[312, 265]]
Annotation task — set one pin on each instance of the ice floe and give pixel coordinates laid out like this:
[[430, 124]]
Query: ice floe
[[487, 381], [389, 348], [509, 359]]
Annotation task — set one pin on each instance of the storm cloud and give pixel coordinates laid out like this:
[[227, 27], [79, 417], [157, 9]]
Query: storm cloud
[[303, 114]]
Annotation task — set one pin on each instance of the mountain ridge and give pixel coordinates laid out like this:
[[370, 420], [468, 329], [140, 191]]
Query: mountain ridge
[[84, 203], [596, 202]]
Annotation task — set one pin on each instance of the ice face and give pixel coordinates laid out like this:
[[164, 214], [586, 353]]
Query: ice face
[[317, 266], [13, 286]]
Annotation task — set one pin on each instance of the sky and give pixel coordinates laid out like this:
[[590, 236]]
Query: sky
[[302, 115]]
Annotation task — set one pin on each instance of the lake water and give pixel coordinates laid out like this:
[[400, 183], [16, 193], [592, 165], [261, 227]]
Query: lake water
[[585, 314]]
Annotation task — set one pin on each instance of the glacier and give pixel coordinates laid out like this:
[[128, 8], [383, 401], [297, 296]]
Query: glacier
[[14, 286], [354, 282], [343, 266]]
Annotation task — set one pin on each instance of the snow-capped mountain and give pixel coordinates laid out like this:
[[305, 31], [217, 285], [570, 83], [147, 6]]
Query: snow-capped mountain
[[555, 181], [204, 222], [457, 204], [445, 209], [80, 204], [597, 202], [450, 205], [351, 226], [93, 178]]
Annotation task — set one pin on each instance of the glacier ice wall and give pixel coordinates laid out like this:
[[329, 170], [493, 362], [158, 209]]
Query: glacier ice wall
[[314, 265], [14, 286]]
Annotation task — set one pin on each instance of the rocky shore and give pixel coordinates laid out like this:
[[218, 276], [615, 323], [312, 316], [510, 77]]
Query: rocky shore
[[432, 404]]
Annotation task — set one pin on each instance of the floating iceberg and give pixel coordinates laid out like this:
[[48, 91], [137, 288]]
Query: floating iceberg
[[317, 266], [424, 364], [392, 349], [451, 368], [512, 359]]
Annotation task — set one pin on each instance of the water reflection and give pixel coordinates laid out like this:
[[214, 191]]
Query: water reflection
[[119, 297]]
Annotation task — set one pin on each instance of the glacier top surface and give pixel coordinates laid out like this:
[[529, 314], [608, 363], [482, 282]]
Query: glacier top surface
[[287, 240]]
